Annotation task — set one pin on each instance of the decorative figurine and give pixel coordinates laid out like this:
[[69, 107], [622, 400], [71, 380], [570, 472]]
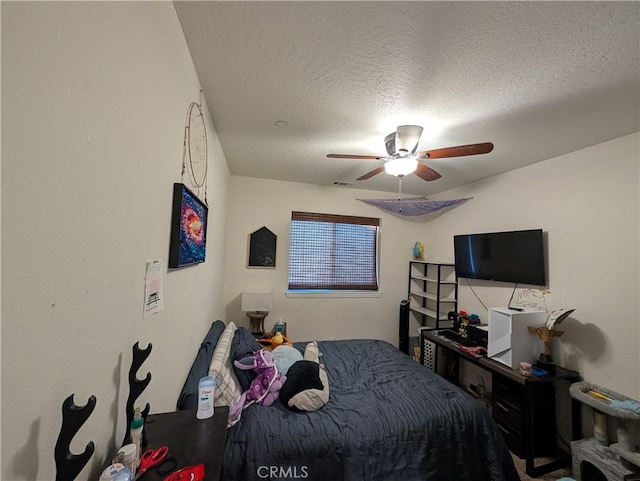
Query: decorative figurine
[[418, 251], [546, 333]]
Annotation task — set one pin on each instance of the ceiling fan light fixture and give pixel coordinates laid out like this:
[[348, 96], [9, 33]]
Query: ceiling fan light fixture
[[401, 166], [407, 138]]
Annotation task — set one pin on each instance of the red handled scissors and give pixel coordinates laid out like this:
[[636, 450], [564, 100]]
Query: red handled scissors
[[155, 457]]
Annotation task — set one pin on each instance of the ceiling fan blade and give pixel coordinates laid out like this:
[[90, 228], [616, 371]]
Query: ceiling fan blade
[[426, 173], [459, 151], [349, 156], [368, 175]]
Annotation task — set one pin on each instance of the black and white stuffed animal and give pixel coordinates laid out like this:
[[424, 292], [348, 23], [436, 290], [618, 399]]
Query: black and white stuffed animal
[[307, 384]]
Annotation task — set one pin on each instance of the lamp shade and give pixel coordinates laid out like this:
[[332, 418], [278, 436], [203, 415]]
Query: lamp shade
[[257, 300], [401, 166]]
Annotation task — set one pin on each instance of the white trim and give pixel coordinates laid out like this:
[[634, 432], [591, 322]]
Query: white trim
[[328, 293]]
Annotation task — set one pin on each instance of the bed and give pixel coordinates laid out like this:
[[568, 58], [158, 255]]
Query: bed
[[388, 418]]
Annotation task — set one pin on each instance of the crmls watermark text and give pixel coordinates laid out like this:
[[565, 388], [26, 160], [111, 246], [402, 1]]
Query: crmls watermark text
[[283, 472]]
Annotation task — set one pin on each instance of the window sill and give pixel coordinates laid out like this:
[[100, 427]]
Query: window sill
[[334, 294]]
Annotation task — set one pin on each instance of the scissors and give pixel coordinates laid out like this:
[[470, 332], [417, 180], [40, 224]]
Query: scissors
[[157, 458]]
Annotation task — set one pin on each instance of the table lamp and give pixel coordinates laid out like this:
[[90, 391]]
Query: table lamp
[[257, 304]]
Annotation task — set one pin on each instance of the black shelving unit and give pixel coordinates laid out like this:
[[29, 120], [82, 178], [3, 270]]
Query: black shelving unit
[[433, 292]]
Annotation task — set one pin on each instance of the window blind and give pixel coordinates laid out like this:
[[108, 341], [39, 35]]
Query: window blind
[[334, 252]]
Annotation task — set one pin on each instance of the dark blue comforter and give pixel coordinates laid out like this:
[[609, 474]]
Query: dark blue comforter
[[388, 418]]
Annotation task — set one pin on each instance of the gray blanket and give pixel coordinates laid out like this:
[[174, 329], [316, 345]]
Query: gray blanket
[[388, 418]]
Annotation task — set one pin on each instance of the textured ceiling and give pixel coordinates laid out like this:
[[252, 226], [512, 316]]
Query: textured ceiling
[[538, 79]]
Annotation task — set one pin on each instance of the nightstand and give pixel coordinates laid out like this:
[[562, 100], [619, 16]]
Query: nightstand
[[191, 441]]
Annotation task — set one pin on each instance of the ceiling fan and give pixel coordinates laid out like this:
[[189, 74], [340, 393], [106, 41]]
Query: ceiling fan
[[402, 158]]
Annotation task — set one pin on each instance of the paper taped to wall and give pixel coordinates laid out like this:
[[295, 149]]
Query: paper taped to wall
[[153, 297]]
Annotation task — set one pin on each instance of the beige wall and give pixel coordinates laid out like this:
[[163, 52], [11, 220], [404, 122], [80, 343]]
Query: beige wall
[[255, 202], [587, 202], [94, 97]]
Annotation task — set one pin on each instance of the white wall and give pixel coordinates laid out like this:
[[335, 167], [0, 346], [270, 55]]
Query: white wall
[[94, 101], [255, 202], [588, 204], [94, 97]]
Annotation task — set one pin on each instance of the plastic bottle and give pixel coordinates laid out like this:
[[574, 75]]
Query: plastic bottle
[[124, 475], [109, 473], [137, 425], [279, 327], [130, 459], [206, 390]]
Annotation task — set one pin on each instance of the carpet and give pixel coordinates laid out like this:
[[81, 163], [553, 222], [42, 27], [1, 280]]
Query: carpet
[[552, 476]]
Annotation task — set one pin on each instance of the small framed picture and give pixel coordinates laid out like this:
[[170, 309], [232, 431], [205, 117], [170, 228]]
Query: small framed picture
[[188, 228], [261, 252]]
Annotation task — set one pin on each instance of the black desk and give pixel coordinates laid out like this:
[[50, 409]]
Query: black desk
[[191, 441], [528, 403]]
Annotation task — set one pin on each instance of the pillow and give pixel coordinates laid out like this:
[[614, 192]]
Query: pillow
[[284, 357], [243, 344], [228, 389], [302, 376], [188, 398]]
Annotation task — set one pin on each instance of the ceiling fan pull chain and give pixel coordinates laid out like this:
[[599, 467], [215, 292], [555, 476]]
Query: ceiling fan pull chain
[[399, 195]]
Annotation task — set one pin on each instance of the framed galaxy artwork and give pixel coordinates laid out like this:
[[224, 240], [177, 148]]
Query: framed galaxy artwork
[[188, 228]]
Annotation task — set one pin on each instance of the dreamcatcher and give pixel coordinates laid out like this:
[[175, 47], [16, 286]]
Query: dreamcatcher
[[195, 153]]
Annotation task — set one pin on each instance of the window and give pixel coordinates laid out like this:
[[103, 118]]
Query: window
[[333, 252]]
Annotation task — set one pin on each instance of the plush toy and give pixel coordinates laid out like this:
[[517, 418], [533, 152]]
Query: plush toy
[[265, 387], [278, 339], [284, 357], [307, 384]]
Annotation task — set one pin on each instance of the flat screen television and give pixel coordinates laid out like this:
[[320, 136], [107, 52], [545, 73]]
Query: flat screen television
[[516, 256]]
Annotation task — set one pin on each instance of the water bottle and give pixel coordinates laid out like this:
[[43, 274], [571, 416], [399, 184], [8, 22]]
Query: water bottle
[[279, 327], [137, 424], [206, 390]]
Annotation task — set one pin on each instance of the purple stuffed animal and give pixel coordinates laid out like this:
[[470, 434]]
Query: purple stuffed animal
[[265, 388]]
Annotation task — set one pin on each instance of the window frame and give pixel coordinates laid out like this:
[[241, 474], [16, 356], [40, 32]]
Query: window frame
[[350, 291]]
